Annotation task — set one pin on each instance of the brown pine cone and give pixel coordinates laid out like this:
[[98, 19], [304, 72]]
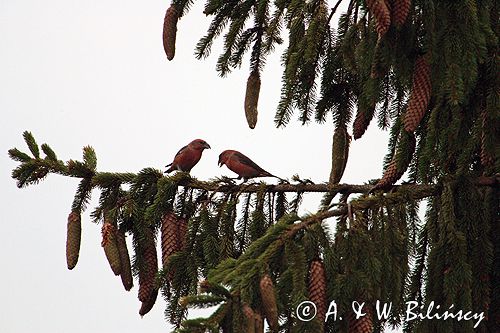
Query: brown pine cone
[[361, 325], [126, 272], [420, 94], [392, 173], [340, 153], [249, 318], [359, 126], [269, 301], [110, 247], [148, 305], [73, 238], [169, 237], [259, 323], [400, 10], [252, 98], [170, 31], [382, 15], [149, 267], [317, 288], [390, 176], [361, 122]]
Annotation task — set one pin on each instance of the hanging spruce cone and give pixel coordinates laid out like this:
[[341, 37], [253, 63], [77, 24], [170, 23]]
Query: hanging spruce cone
[[259, 323], [110, 247], [148, 305], [400, 10], [340, 153], [73, 238], [249, 319], [252, 98], [170, 31], [391, 175], [360, 325], [361, 122], [399, 163], [148, 268], [317, 288], [420, 94], [269, 301], [382, 15], [360, 125], [126, 271], [169, 237]]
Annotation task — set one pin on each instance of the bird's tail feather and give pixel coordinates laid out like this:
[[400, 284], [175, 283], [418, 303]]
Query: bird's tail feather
[[169, 170], [267, 174]]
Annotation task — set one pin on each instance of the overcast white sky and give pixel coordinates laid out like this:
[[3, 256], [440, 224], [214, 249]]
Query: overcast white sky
[[79, 73]]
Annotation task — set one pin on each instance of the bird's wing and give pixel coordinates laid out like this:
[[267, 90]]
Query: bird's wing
[[245, 160], [178, 153], [181, 151]]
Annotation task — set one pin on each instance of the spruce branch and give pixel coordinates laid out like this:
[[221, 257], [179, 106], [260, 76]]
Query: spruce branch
[[31, 170]]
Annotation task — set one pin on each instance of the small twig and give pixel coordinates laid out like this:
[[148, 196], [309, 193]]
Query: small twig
[[334, 9]]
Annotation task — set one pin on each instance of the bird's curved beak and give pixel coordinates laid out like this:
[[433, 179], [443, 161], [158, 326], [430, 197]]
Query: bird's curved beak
[[207, 146], [220, 162]]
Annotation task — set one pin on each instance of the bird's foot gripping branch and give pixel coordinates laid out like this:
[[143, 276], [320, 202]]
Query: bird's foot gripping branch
[[245, 249]]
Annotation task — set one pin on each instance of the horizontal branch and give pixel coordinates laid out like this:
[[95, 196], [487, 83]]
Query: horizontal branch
[[427, 189], [280, 188]]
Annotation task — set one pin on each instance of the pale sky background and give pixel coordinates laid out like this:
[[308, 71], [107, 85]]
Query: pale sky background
[[78, 73]]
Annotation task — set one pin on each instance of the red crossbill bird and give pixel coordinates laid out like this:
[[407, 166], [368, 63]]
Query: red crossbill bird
[[242, 165], [188, 156]]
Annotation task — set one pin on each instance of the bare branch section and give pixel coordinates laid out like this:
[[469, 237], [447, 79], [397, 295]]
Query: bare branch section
[[301, 187], [419, 190]]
